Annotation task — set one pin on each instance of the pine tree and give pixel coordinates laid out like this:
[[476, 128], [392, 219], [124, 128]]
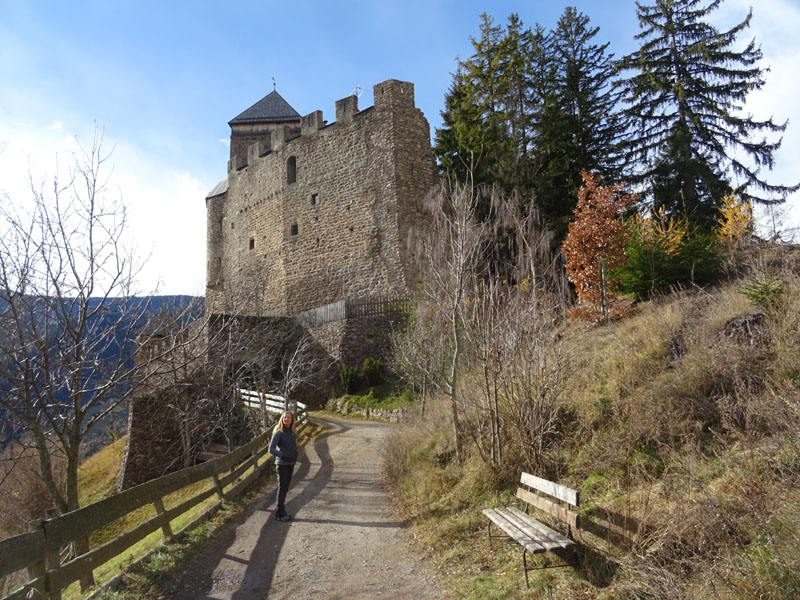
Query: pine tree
[[580, 126], [531, 109], [691, 142], [475, 137]]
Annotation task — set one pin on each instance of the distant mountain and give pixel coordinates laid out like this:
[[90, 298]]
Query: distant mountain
[[127, 317]]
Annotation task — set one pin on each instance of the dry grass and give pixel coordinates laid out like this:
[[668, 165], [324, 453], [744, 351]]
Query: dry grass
[[685, 439]]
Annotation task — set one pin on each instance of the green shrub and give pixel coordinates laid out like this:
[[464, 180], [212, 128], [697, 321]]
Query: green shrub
[[348, 379], [372, 370], [765, 291], [651, 269]]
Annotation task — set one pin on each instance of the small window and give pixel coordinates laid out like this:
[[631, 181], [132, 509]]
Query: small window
[[252, 243], [219, 262], [314, 199], [220, 225], [294, 229], [231, 224], [291, 169]]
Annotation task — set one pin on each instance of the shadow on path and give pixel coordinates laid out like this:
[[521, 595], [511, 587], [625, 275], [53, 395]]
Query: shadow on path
[[264, 556], [241, 562]]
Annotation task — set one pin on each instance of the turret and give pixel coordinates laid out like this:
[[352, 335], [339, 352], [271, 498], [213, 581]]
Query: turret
[[257, 124]]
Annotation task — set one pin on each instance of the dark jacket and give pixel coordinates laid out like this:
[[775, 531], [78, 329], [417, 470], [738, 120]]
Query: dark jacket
[[284, 447]]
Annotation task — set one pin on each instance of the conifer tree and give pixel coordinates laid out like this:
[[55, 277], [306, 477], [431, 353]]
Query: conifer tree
[[580, 127], [531, 109], [486, 129], [691, 142]]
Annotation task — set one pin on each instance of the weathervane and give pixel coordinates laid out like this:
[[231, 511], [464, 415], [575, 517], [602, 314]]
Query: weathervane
[[273, 83]]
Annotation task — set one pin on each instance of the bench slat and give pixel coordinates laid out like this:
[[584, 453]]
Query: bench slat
[[513, 531], [552, 508], [536, 537], [556, 490], [545, 536]]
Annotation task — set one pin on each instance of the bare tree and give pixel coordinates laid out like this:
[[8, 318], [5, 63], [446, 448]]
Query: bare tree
[[193, 373], [420, 350], [516, 291], [483, 330], [455, 252], [67, 315]]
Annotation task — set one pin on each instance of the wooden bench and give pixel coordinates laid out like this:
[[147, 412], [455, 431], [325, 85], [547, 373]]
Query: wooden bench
[[533, 536]]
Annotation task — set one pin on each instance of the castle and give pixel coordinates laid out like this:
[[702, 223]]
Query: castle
[[312, 213]]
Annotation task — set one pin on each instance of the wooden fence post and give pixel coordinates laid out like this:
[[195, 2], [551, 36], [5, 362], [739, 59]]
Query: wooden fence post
[[38, 569], [166, 529], [52, 556], [218, 485]]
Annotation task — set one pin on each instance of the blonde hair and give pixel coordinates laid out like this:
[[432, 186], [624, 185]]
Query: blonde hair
[[279, 424]]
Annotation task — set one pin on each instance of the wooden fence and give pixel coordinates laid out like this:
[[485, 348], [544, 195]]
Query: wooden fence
[[38, 551], [347, 309]]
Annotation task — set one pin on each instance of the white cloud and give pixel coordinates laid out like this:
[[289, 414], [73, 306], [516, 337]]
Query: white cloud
[[774, 26], [165, 205], [225, 141], [56, 126], [168, 218]]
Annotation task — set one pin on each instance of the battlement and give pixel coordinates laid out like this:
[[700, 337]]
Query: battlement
[[393, 93], [346, 108], [265, 138], [311, 123]]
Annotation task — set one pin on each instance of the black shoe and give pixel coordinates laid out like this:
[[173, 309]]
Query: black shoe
[[284, 518]]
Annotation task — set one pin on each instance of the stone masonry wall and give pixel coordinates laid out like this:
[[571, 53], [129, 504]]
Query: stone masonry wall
[[153, 448], [342, 228], [350, 341]]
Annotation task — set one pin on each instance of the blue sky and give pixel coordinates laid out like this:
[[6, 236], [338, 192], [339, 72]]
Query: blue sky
[[164, 78]]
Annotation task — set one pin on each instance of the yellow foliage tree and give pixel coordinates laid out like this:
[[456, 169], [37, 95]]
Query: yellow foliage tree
[[661, 231], [736, 220]]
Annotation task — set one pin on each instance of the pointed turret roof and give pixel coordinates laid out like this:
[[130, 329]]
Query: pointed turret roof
[[272, 108]]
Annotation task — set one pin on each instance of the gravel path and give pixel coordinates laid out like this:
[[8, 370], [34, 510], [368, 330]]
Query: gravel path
[[344, 541]]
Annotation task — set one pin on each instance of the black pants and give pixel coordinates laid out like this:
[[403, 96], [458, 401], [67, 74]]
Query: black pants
[[284, 478]]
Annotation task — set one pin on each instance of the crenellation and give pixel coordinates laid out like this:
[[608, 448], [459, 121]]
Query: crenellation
[[346, 108], [311, 123], [393, 94], [258, 149]]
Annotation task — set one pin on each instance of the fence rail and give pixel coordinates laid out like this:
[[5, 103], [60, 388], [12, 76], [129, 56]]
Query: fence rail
[[38, 550], [351, 308]]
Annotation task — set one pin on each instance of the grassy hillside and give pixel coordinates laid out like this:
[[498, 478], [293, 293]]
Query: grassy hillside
[[685, 436]]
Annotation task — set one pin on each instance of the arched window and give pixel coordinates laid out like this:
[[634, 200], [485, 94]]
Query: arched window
[[291, 169]]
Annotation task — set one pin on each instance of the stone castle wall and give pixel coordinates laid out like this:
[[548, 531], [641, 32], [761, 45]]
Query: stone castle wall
[[324, 214]]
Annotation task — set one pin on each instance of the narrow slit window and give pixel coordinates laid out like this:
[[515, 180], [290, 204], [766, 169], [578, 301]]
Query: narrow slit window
[[252, 243], [294, 229], [314, 199], [291, 169]]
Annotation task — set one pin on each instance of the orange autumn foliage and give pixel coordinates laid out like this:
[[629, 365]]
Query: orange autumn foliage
[[595, 245]]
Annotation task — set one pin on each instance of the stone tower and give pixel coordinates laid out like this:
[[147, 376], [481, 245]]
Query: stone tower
[[312, 213]]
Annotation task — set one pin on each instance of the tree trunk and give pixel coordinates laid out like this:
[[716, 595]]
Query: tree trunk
[[452, 381]]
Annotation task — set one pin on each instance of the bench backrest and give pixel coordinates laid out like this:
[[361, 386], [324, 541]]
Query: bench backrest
[[567, 495]]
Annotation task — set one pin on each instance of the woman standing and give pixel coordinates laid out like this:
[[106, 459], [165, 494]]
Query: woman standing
[[284, 447]]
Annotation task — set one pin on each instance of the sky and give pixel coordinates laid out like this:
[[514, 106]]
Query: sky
[[162, 80]]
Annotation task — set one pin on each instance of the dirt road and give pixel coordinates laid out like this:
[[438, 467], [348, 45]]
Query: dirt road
[[344, 541]]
